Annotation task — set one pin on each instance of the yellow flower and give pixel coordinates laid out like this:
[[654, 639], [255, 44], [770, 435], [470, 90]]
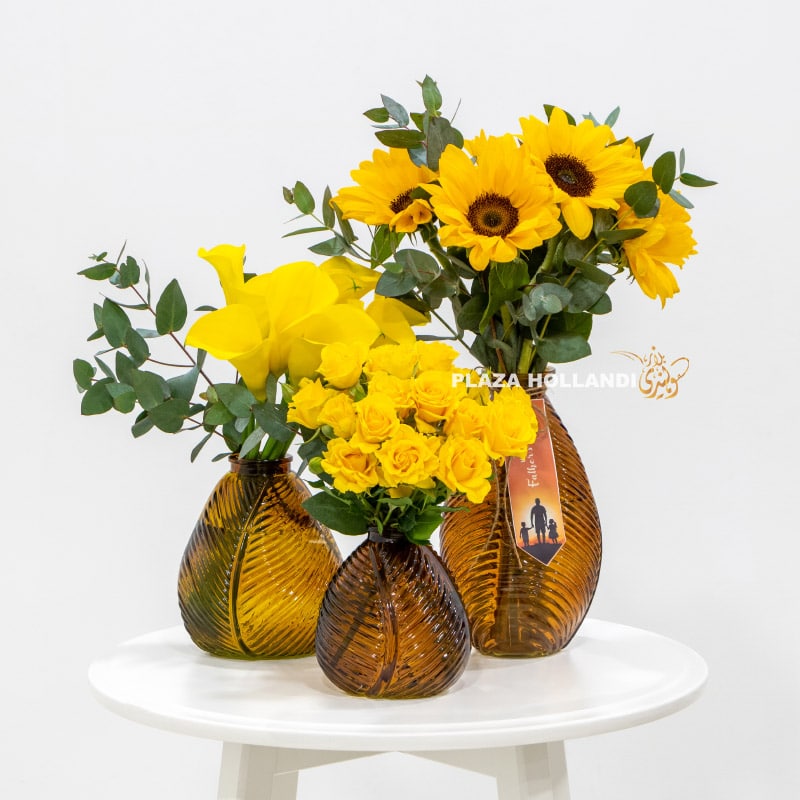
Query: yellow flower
[[464, 467], [435, 397], [586, 172], [383, 193], [397, 389], [376, 421], [468, 419], [510, 424], [352, 470], [339, 412], [307, 402], [395, 319], [277, 321], [667, 240], [435, 355], [352, 280], [408, 458], [341, 363], [495, 207], [399, 360]]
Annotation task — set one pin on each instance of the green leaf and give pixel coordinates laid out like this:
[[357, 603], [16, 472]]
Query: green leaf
[[107, 371], [330, 247], [137, 346], [424, 526], [336, 514], [548, 109], [129, 273], [505, 285], [621, 234], [395, 110], [251, 442], [602, 306], [471, 313], [585, 293], [612, 117], [236, 398], [423, 266], [123, 396], [403, 139], [142, 425], [83, 373], [151, 389], [641, 197], [97, 400], [544, 299], [272, 420], [643, 144], [303, 199], [377, 115], [687, 179], [441, 134], [395, 284], [328, 215], [592, 272], [183, 386], [98, 272], [431, 96], [169, 416], [199, 446], [171, 309], [115, 323], [664, 171], [563, 347], [217, 414], [681, 199], [124, 368], [298, 232]]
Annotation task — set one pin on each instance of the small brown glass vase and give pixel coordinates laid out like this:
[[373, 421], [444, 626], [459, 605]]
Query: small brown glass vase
[[256, 567], [392, 624], [516, 605]]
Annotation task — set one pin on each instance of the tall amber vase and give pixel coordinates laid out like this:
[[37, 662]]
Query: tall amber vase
[[392, 624], [256, 567], [517, 605]]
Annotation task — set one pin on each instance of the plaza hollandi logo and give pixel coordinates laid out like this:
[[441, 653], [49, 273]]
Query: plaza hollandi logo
[[658, 380]]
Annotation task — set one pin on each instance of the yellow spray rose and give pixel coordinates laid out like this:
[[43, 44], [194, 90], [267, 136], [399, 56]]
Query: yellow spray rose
[[342, 362], [352, 469], [436, 355], [408, 458], [468, 419], [376, 421], [307, 403], [464, 467], [399, 360], [510, 424], [435, 397], [398, 389], [340, 413]]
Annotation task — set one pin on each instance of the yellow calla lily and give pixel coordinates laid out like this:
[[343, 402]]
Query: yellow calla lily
[[228, 261], [352, 280], [395, 318]]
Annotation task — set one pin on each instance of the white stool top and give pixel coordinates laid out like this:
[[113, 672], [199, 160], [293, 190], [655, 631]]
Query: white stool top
[[609, 677]]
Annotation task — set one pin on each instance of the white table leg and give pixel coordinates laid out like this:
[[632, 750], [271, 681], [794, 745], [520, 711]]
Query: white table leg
[[526, 772], [249, 772]]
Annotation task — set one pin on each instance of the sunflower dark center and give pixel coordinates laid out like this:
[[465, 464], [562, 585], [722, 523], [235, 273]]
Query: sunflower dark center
[[570, 174], [401, 202], [492, 214]]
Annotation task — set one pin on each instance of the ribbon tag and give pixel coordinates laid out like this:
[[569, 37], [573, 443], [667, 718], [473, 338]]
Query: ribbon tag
[[533, 495]]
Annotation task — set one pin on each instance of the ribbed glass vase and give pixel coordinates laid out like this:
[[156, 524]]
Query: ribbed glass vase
[[392, 624], [256, 567], [517, 605]]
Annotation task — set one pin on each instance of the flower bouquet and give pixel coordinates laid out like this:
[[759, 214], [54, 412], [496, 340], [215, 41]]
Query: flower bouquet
[[392, 436]]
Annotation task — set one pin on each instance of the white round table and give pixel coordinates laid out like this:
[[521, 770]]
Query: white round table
[[504, 717]]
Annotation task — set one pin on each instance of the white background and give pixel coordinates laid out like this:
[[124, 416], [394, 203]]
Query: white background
[[173, 125]]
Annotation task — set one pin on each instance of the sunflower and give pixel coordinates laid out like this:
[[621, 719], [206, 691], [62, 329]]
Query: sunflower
[[383, 195], [586, 171], [667, 240], [494, 206]]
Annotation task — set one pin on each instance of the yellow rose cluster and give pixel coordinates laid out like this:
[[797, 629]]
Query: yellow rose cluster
[[394, 417]]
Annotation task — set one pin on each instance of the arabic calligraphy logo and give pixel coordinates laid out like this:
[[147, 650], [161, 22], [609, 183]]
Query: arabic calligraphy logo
[[658, 381]]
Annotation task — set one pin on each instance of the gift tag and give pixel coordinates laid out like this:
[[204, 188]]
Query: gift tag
[[533, 494]]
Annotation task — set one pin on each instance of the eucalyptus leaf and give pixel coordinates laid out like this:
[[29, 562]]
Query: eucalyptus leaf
[[303, 199], [377, 114], [664, 171], [330, 247], [123, 396], [251, 442], [395, 110], [688, 179], [83, 372], [641, 197], [151, 389], [272, 419], [129, 273], [328, 215], [431, 96], [169, 416], [217, 414], [142, 425], [136, 346], [681, 199], [97, 400], [395, 284], [99, 272], [199, 446], [401, 138], [115, 323], [563, 347], [183, 386], [171, 309], [336, 514], [236, 398]]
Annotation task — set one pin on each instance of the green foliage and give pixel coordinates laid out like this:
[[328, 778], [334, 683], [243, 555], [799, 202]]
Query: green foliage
[[171, 397]]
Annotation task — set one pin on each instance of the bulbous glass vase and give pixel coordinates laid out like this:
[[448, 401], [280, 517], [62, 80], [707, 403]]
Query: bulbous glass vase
[[527, 591], [392, 624], [256, 567]]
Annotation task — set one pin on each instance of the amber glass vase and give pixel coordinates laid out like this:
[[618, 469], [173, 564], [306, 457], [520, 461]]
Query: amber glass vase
[[517, 605], [392, 624], [256, 567]]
